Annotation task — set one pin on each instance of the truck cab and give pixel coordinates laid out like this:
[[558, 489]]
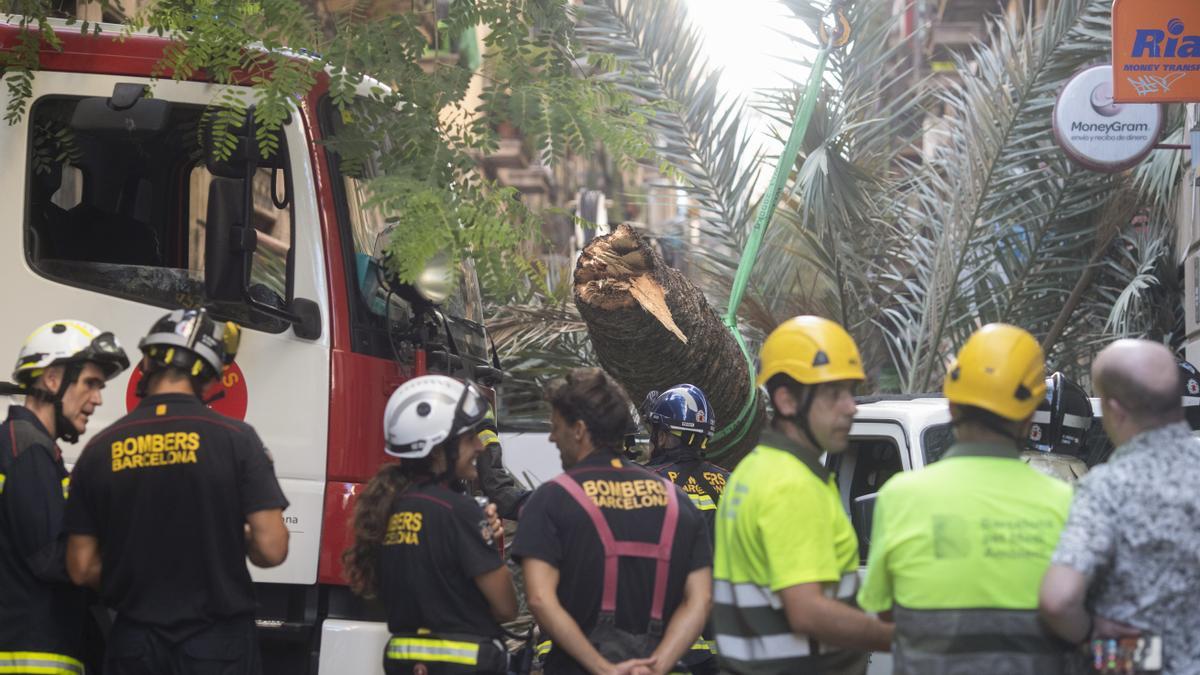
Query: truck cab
[[115, 212]]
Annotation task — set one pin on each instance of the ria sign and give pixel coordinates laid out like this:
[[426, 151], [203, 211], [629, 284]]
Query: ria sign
[[1156, 51], [1098, 133]]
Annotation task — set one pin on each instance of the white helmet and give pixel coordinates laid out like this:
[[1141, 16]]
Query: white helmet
[[68, 341], [427, 410]]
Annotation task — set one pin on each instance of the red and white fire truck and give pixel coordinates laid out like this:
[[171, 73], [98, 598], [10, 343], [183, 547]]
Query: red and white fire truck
[[115, 212]]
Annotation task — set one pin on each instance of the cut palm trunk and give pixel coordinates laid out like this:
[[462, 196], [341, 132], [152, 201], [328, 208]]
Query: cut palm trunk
[[652, 329]]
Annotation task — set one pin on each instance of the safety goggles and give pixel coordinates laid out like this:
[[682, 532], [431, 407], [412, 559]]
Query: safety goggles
[[471, 410], [106, 352]]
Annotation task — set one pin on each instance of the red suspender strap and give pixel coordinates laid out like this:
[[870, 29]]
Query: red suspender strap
[[665, 542], [614, 550], [608, 601]]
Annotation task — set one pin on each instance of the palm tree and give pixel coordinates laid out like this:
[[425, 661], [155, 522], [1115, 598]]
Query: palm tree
[[913, 251]]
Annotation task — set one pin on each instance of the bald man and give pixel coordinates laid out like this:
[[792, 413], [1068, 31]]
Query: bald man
[[1128, 561]]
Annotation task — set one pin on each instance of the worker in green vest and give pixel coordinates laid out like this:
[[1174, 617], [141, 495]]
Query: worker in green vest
[[786, 559], [958, 549]]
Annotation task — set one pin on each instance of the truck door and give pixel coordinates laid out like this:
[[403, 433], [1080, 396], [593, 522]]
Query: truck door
[[878, 450], [108, 225]]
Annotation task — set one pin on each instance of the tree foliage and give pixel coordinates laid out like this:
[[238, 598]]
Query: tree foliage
[[407, 129]]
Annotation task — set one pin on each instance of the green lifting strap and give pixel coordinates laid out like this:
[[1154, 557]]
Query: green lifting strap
[[832, 38]]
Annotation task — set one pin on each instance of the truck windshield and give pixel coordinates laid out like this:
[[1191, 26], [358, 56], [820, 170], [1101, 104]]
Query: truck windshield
[[127, 214], [463, 309]]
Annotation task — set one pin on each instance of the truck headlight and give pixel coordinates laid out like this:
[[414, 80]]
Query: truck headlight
[[436, 282]]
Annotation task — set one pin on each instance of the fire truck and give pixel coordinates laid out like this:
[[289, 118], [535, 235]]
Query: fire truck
[[117, 211]]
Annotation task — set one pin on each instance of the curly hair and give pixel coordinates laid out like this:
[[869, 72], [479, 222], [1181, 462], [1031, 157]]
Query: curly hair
[[370, 521], [589, 394]]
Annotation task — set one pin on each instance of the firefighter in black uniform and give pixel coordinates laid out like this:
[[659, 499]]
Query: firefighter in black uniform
[[681, 422], [618, 566], [61, 369], [426, 548], [167, 503], [494, 479]]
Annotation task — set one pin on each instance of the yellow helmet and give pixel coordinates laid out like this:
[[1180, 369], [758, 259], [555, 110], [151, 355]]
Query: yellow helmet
[[810, 350], [1000, 369]]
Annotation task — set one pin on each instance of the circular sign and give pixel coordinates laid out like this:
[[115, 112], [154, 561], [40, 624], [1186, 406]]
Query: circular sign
[[231, 392], [1097, 133]]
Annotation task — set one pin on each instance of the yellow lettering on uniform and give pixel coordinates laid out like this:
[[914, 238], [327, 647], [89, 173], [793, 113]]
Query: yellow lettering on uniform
[[403, 528], [589, 488], [627, 489]]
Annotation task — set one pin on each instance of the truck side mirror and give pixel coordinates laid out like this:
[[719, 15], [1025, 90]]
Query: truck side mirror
[[230, 236], [862, 514]]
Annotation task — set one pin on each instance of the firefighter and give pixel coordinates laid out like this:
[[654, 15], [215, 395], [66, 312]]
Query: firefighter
[[61, 370], [959, 548], [495, 481], [1060, 426], [167, 503], [617, 562], [786, 554], [426, 548], [1189, 379], [681, 422]]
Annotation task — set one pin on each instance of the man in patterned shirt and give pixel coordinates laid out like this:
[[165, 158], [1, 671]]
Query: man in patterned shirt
[[1126, 561]]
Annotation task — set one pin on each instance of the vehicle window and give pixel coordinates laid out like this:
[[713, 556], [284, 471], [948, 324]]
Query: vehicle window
[[936, 440], [125, 214], [875, 461], [376, 318]]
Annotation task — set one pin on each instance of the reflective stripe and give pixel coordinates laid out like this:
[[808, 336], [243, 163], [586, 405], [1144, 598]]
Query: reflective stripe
[[543, 648], [1073, 421], [745, 595], [753, 595], [763, 647], [702, 645], [432, 649], [2, 479], [702, 502], [39, 663], [66, 486], [973, 636], [1076, 421]]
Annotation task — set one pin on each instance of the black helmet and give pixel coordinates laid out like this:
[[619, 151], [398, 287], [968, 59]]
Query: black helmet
[[188, 339], [1062, 419], [1189, 379]]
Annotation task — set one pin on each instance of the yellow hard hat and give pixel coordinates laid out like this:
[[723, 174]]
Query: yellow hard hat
[[810, 350], [1000, 369]]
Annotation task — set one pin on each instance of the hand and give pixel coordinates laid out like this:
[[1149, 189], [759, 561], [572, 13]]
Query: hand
[[634, 667], [1103, 628], [494, 522]]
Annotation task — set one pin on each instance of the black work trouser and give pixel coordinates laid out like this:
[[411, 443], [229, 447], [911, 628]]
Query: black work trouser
[[226, 648]]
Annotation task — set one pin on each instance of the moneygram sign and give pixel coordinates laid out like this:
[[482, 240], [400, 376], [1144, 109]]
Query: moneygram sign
[[1156, 51], [1097, 132]]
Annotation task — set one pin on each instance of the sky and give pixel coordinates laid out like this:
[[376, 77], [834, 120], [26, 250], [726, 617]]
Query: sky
[[746, 38]]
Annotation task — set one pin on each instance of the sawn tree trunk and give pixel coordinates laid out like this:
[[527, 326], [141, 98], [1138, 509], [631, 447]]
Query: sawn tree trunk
[[653, 329]]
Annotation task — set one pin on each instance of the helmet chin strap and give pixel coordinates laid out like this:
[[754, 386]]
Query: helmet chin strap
[[800, 418], [63, 427]]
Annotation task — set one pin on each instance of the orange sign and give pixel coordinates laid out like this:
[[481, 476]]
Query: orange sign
[[1156, 51]]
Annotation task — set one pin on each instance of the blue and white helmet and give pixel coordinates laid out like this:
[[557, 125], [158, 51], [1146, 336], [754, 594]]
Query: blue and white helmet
[[682, 408]]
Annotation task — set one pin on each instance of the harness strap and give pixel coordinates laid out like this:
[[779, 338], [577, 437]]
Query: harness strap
[[614, 550]]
